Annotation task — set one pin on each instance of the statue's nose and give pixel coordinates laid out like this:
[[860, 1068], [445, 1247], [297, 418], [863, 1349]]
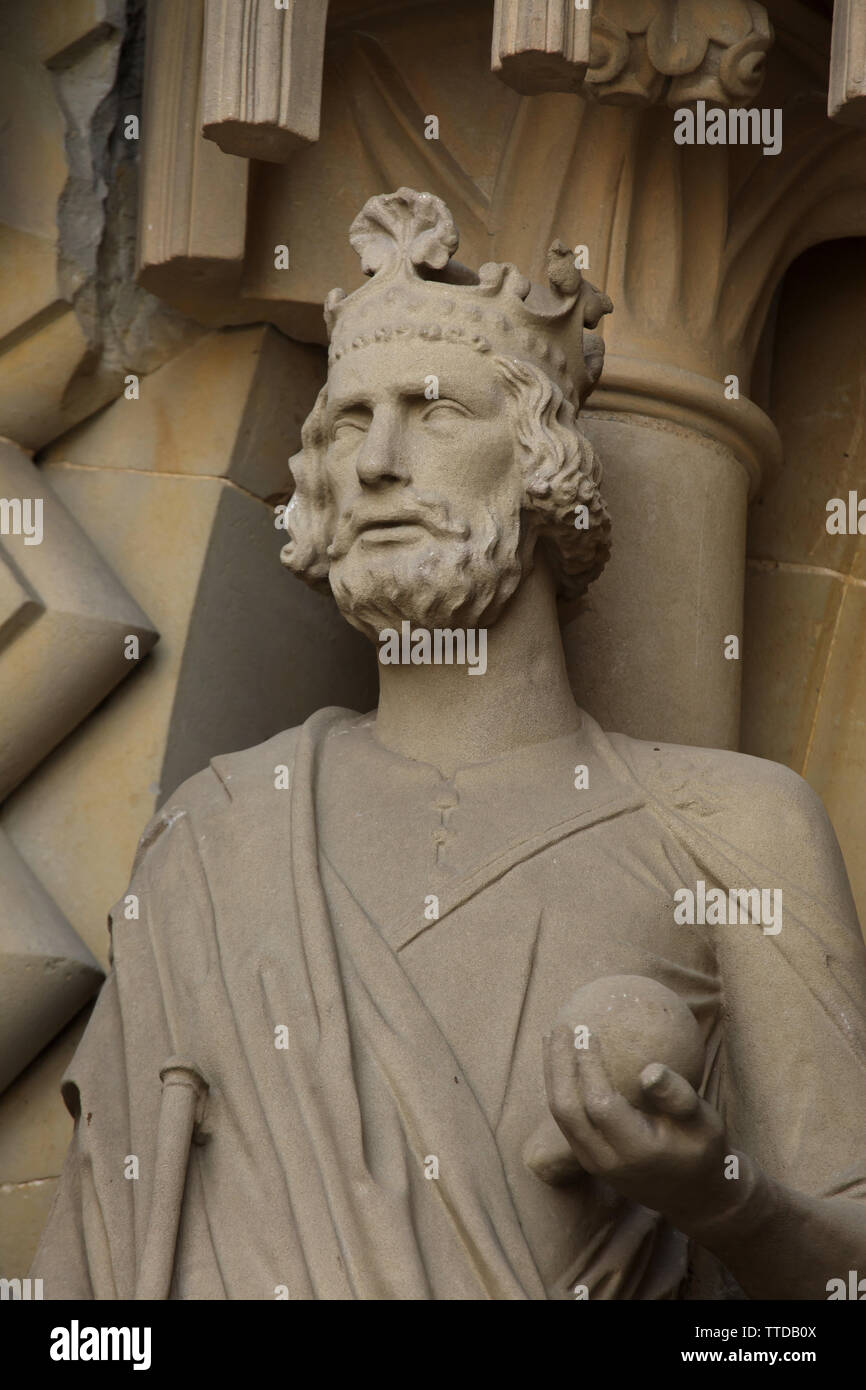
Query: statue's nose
[[381, 458]]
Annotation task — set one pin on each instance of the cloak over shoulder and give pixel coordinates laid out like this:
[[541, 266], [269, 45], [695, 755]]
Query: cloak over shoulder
[[308, 1174]]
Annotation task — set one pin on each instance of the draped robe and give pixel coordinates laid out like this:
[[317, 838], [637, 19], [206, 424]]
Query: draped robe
[[409, 938]]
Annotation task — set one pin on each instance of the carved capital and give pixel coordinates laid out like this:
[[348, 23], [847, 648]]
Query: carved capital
[[634, 52], [678, 51]]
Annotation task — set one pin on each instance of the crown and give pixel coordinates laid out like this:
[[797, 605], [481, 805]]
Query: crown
[[406, 241]]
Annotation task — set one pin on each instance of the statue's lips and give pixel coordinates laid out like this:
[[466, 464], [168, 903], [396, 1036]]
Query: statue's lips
[[391, 532]]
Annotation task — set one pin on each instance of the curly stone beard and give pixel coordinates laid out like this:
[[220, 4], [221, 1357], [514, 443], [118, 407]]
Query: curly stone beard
[[461, 578]]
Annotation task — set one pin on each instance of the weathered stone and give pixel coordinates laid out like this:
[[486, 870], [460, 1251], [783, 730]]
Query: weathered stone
[[73, 324]]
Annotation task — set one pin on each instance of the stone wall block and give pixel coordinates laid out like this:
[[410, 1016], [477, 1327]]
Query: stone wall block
[[71, 643], [24, 1209], [230, 406], [790, 618], [35, 1126]]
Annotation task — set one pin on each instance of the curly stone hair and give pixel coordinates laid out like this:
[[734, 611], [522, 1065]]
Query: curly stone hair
[[562, 473], [562, 476]]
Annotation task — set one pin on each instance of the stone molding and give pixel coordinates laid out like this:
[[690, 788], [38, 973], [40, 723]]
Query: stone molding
[[669, 394], [846, 99], [541, 45], [262, 76], [193, 204], [634, 52]]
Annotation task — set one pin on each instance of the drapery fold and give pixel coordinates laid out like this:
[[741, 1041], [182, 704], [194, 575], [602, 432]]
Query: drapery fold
[[308, 1176]]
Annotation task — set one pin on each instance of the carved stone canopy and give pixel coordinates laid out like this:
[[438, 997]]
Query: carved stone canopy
[[262, 65], [693, 292]]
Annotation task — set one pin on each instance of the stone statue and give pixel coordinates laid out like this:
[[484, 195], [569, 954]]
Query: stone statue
[[466, 998]]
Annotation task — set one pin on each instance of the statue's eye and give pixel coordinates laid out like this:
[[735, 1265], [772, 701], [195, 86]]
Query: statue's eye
[[344, 425], [445, 410]]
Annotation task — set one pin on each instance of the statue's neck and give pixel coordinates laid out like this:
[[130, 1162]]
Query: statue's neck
[[443, 715]]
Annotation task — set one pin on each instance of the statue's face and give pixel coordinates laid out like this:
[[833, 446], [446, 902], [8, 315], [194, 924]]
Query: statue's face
[[427, 490]]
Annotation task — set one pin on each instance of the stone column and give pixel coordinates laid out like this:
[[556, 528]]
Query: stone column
[[652, 652]]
